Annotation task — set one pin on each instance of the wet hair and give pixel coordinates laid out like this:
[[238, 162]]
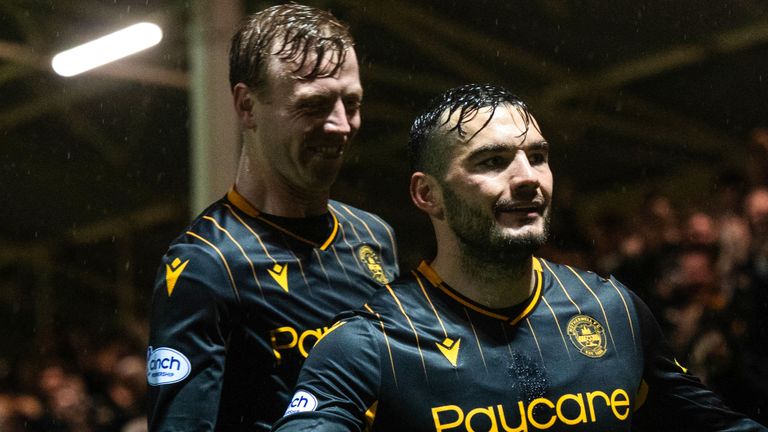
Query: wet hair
[[294, 33], [426, 152]]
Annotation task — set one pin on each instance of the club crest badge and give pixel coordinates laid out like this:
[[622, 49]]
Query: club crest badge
[[372, 262], [587, 335]]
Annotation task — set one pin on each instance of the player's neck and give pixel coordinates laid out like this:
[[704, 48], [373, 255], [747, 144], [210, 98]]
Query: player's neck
[[270, 193], [495, 284]]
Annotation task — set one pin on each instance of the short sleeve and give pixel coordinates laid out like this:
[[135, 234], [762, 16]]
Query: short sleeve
[[192, 311], [339, 381]]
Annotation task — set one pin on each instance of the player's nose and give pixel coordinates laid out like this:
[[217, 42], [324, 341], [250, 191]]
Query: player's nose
[[521, 173], [338, 120]]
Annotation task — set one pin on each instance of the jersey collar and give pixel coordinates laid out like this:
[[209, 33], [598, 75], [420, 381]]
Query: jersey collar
[[524, 310], [243, 205]]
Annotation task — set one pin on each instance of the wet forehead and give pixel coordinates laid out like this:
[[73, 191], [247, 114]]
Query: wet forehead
[[506, 127], [280, 66], [282, 74]]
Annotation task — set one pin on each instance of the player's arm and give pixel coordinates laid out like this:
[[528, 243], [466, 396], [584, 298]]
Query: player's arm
[[189, 324], [338, 383], [672, 399]]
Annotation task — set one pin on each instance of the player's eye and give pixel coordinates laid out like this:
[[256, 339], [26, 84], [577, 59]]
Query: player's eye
[[314, 106], [493, 162], [537, 158], [352, 106]]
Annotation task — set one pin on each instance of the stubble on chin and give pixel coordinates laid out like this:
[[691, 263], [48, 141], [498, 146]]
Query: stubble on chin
[[503, 247], [481, 239]]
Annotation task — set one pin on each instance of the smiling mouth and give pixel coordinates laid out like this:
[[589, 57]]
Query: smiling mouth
[[328, 151], [528, 209]]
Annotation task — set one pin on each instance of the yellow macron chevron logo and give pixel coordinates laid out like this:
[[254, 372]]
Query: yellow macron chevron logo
[[172, 273], [450, 349], [280, 274]]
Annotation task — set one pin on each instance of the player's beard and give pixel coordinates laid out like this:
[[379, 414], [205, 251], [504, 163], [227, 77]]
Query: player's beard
[[482, 240]]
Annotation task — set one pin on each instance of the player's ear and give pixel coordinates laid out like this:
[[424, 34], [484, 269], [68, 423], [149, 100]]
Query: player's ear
[[426, 194], [244, 102]]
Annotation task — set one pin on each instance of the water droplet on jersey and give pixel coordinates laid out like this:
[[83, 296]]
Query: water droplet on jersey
[[531, 378]]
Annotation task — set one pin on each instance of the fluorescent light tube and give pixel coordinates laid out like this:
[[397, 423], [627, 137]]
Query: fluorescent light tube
[[106, 49]]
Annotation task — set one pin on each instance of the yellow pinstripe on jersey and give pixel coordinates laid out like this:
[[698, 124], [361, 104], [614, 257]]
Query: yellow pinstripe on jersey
[[252, 301], [467, 367]]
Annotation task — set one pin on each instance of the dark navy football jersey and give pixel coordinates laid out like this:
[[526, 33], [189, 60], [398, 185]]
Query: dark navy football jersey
[[581, 354], [240, 300]]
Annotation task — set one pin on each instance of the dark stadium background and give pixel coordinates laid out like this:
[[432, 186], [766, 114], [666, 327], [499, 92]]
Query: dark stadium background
[[635, 96]]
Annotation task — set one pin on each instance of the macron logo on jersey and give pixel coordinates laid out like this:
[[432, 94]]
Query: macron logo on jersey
[[172, 273], [280, 274], [166, 366], [450, 349], [301, 402]]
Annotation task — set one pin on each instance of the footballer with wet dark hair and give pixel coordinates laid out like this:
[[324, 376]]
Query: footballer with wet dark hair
[[486, 336]]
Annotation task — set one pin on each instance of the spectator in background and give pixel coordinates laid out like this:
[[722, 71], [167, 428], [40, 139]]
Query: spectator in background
[[757, 157], [55, 388], [127, 390], [688, 295], [754, 302]]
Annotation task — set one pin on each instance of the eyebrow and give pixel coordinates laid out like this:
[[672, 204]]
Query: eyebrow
[[312, 95], [324, 92], [496, 147], [537, 145]]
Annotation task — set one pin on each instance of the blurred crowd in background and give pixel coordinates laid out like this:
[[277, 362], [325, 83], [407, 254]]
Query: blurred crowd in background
[[702, 270], [77, 382]]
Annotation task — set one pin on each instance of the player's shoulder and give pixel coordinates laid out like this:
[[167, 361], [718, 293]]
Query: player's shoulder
[[350, 329], [194, 266], [389, 301], [202, 223], [574, 280], [189, 248], [195, 254], [219, 229], [570, 272], [351, 214]]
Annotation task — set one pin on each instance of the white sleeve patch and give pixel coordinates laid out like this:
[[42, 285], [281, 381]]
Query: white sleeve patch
[[166, 366], [301, 402]]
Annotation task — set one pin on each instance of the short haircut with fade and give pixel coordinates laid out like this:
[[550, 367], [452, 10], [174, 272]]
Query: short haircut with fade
[[294, 33], [425, 152]]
